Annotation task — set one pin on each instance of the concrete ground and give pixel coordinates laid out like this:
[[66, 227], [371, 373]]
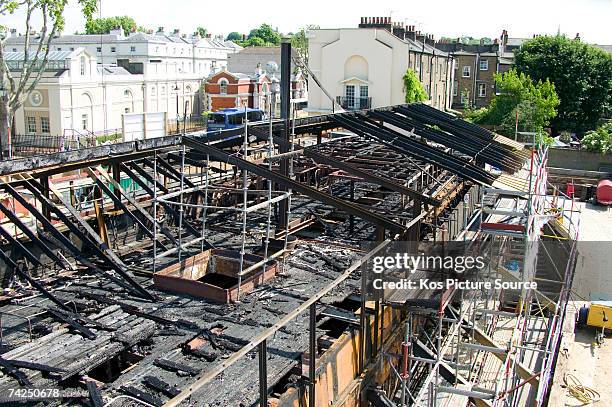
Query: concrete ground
[[580, 355]]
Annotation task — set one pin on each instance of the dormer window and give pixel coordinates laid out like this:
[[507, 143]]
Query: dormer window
[[133, 48]]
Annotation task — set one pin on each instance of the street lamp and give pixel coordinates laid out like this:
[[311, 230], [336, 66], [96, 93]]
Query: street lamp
[[3, 95], [176, 90]]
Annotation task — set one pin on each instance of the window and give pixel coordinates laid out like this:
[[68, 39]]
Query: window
[[99, 50], [14, 49], [31, 124], [349, 94], [163, 91], [363, 91], [153, 91], [466, 71], [127, 110], [465, 97], [83, 66], [113, 49], [84, 121], [482, 90], [223, 86], [455, 88], [484, 64], [133, 48], [45, 127], [71, 48], [363, 97], [59, 48], [156, 50]]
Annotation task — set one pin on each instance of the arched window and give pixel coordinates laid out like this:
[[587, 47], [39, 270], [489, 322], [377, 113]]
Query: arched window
[[188, 89], [127, 93], [223, 86]]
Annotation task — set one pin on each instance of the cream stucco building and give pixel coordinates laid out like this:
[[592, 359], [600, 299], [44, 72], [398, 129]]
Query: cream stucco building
[[364, 67], [76, 95]]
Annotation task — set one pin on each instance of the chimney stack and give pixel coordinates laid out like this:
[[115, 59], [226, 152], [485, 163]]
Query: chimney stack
[[160, 31]]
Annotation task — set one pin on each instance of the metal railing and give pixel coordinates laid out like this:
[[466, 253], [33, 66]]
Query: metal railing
[[354, 103], [189, 124]]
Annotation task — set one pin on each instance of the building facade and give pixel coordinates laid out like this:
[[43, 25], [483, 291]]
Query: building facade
[[364, 67], [476, 66], [252, 59], [91, 81], [154, 55], [227, 89], [76, 95]]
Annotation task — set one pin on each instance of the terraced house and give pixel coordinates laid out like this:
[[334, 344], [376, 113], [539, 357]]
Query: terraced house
[[363, 67]]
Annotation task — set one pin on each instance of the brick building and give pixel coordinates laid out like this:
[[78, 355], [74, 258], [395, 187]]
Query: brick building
[[226, 89], [476, 66]]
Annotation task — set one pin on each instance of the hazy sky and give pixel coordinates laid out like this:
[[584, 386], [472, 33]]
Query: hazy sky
[[478, 18]]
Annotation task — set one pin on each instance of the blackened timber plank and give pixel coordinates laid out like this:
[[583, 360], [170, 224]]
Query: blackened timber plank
[[102, 249], [31, 235]]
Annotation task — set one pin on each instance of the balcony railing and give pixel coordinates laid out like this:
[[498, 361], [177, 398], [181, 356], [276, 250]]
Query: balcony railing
[[352, 103]]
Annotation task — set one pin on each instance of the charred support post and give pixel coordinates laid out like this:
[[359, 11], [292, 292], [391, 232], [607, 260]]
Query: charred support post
[[313, 355], [263, 373], [44, 181], [117, 177], [285, 88]]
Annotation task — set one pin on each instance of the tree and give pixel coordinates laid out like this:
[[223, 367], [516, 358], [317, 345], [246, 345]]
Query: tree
[[599, 140], [413, 88], [21, 78], [105, 25], [535, 104], [267, 34], [299, 41], [234, 36], [202, 31], [254, 42], [581, 73]]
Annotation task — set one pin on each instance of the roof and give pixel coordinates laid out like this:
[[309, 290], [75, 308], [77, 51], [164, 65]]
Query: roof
[[53, 55], [113, 70], [116, 38]]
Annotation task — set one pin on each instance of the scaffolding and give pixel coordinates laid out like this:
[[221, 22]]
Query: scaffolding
[[498, 347], [264, 199]]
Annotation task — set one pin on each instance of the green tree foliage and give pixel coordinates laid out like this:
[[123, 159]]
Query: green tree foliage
[[299, 41], [413, 88], [535, 104], [268, 35], [599, 140], [106, 24], [581, 73], [254, 42], [234, 36], [202, 31]]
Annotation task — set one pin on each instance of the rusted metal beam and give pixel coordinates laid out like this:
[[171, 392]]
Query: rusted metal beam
[[297, 186]]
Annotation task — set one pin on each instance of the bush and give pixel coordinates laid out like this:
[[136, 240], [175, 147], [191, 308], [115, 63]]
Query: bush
[[599, 140], [413, 88]]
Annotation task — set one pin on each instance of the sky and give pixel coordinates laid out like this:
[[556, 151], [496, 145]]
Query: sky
[[451, 18]]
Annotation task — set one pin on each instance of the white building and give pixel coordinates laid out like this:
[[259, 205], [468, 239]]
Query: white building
[[92, 80], [76, 95], [154, 55], [364, 67]]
